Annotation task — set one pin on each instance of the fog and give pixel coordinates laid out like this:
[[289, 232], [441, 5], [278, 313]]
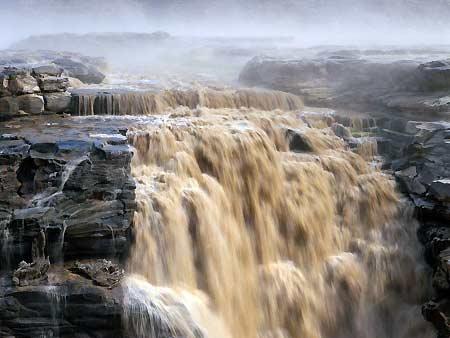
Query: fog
[[309, 22]]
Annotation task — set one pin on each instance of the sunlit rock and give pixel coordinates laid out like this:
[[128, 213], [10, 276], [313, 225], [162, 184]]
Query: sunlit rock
[[58, 102]]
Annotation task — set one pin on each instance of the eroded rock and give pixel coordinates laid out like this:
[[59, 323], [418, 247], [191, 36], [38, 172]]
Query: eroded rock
[[102, 272], [35, 272]]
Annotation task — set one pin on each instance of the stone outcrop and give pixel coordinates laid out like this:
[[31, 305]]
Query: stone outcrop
[[84, 72], [71, 308], [349, 81], [419, 155], [66, 207], [25, 91], [58, 102]]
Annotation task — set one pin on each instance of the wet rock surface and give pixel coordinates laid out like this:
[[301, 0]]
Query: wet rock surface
[[420, 153], [70, 308], [66, 194]]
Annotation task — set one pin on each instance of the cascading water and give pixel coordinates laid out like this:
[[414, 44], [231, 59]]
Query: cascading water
[[147, 103], [240, 233]]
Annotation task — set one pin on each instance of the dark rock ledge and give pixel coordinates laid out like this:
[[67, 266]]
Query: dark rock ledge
[[418, 153], [66, 205]]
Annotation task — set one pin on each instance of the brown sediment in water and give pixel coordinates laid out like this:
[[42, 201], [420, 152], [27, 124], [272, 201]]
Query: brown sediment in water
[[148, 103], [270, 242]]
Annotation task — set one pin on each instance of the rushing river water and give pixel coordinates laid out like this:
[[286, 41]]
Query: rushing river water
[[259, 224]]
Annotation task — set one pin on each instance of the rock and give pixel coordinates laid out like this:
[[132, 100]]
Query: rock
[[67, 309], [408, 178], [76, 186], [435, 75], [47, 70], [9, 106], [4, 90], [75, 83], [35, 272], [422, 167], [58, 102], [53, 84], [66, 192], [85, 73], [341, 131], [23, 84], [435, 312], [441, 275], [15, 81], [357, 83], [103, 272], [31, 103], [298, 142], [440, 189]]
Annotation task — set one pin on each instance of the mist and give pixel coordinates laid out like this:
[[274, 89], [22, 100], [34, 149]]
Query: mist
[[368, 22]]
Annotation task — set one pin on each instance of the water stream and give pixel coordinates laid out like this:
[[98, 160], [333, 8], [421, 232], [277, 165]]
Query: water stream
[[237, 235]]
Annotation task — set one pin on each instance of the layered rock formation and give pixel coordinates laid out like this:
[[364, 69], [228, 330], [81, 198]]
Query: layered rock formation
[[418, 153], [39, 83], [424, 173], [66, 199], [357, 82], [32, 92]]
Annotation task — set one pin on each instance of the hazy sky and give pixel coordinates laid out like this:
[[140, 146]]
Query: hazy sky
[[311, 21]]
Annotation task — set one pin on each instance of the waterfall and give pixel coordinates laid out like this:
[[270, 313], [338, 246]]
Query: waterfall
[[147, 103], [266, 236]]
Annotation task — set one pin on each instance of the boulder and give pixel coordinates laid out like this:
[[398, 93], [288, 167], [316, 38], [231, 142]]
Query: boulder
[[8, 106], [31, 103], [58, 102], [409, 181], [14, 81], [87, 73], [75, 83], [47, 70], [341, 131], [298, 142], [53, 84], [435, 75], [23, 84], [440, 189]]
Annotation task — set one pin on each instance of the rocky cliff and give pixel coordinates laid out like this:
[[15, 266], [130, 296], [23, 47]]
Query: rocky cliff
[[66, 207], [418, 154]]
